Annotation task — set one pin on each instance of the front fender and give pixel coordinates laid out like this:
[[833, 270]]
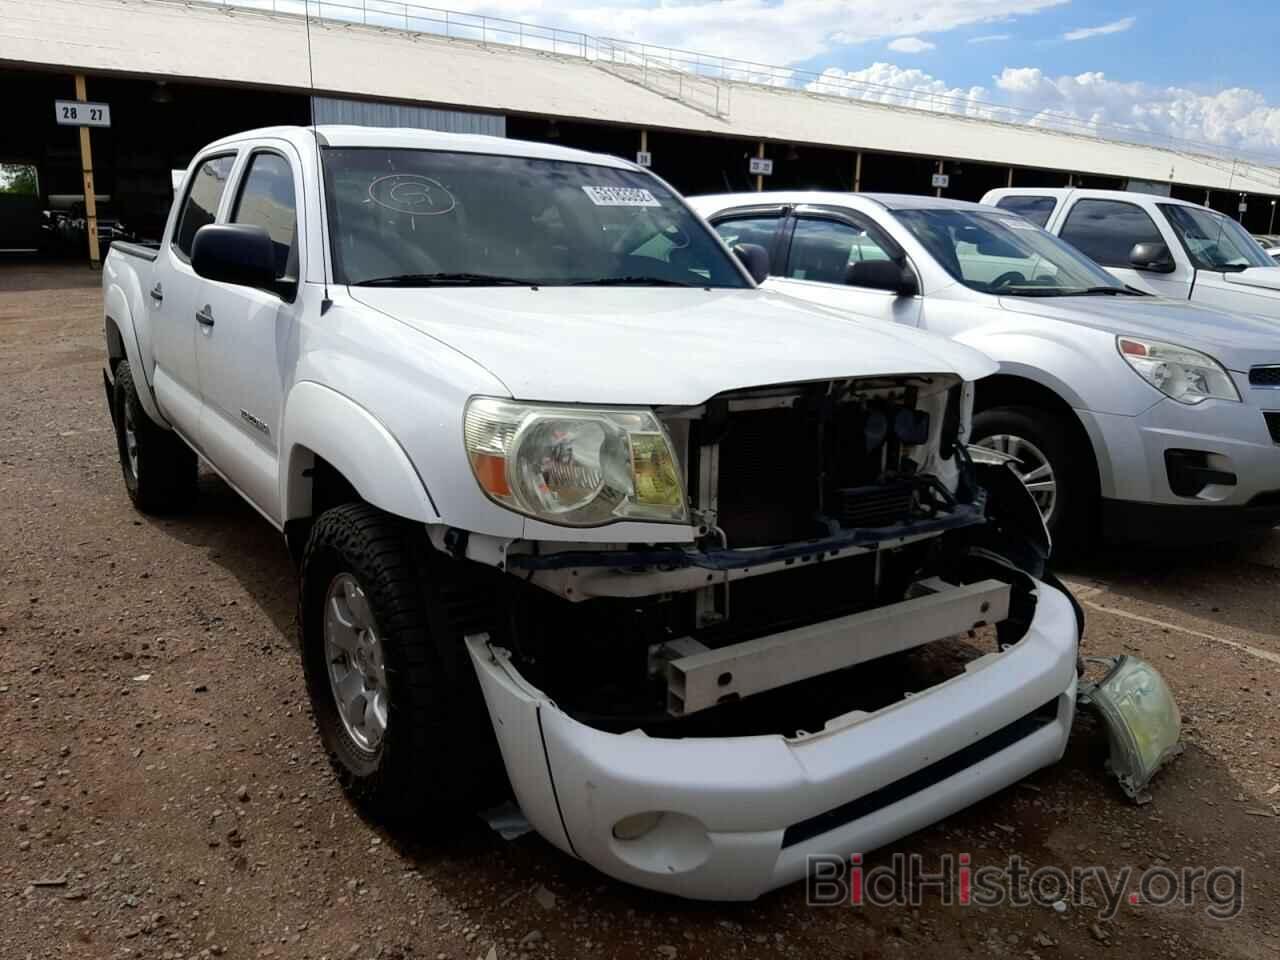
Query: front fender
[[320, 421]]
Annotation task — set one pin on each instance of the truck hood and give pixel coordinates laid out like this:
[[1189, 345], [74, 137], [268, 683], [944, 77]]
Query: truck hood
[[1264, 278], [662, 346], [1238, 341]]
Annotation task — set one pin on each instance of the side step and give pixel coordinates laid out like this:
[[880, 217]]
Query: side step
[[699, 677]]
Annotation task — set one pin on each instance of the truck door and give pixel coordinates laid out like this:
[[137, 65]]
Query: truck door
[[1106, 230], [174, 297], [243, 349]]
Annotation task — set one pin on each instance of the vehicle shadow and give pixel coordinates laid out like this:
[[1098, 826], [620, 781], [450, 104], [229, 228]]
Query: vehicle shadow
[[1231, 584]]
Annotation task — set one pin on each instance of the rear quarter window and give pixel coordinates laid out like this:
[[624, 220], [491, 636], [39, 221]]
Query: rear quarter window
[[1036, 209]]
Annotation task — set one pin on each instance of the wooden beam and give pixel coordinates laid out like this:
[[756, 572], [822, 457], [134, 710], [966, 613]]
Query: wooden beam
[[857, 173], [759, 176], [941, 169], [86, 167]]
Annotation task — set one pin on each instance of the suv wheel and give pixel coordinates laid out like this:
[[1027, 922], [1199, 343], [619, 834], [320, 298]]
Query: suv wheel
[[159, 469], [1052, 470], [398, 710]]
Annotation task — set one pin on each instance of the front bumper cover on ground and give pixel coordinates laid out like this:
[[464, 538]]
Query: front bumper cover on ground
[[741, 815]]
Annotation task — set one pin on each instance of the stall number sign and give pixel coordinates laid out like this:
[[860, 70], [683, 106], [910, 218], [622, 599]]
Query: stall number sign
[[74, 113], [761, 167], [1244, 207], [644, 158], [942, 180]]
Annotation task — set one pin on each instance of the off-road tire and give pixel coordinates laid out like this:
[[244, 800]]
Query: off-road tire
[[438, 755], [164, 478], [1072, 524]]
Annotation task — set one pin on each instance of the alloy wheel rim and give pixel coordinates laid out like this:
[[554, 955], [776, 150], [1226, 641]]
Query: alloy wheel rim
[[354, 655], [131, 440], [1032, 467]]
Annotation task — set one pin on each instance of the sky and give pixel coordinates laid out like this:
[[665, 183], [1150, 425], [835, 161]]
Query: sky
[[1205, 72]]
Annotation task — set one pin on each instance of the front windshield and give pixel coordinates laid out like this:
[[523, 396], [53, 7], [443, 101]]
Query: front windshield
[[423, 218], [1214, 242], [1004, 254]]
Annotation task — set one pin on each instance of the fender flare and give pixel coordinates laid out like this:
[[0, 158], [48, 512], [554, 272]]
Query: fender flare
[[116, 311], [368, 456]]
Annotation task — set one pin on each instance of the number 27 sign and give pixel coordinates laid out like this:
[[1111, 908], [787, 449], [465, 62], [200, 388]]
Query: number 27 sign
[[76, 113]]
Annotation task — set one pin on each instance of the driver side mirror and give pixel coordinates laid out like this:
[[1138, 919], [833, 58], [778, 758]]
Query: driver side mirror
[[883, 275], [1152, 257], [237, 253], [755, 258]]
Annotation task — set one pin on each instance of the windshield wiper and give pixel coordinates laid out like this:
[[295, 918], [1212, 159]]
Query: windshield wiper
[[1112, 291], [445, 280], [632, 282]]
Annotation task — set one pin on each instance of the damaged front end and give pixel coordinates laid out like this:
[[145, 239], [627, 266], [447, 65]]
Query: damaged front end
[[702, 716]]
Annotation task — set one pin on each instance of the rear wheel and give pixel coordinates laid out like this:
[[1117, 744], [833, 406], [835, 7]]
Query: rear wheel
[[1048, 462], [397, 706], [159, 469]]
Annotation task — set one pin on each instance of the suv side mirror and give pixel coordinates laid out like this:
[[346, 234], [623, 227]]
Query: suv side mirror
[[755, 258], [888, 275], [238, 253], [1153, 257]]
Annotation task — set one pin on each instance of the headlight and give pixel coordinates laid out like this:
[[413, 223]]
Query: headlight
[[1142, 720], [573, 466], [1186, 375]]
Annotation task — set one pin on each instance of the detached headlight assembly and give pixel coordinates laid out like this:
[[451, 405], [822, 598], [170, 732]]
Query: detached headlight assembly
[[574, 466], [1186, 375], [1143, 722]]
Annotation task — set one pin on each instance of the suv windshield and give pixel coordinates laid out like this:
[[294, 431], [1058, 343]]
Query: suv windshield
[[408, 217], [1214, 242], [1005, 254]]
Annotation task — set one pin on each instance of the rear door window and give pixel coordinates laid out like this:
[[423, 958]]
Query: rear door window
[[1036, 209], [1106, 230], [201, 206], [760, 229]]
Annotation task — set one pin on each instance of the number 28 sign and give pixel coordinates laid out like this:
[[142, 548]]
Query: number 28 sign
[[76, 113]]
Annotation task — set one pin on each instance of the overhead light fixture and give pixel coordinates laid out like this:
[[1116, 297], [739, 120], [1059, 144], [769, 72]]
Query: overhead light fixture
[[553, 130], [161, 92], [1143, 722], [793, 154]]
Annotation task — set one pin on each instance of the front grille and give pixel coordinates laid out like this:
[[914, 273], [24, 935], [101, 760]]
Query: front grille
[[1273, 424], [1265, 376]]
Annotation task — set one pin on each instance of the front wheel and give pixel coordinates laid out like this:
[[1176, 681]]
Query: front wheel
[[397, 711], [1054, 472]]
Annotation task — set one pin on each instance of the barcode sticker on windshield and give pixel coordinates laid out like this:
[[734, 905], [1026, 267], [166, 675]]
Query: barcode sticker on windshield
[[621, 197]]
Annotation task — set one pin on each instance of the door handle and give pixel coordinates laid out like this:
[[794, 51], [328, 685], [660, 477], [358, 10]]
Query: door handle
[[157, 294], [205, 316]]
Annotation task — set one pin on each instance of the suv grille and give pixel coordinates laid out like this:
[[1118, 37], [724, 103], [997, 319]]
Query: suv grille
[[1265, 376]]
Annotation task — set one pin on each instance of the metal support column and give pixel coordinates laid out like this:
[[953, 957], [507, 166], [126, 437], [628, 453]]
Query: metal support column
[[86, 167]]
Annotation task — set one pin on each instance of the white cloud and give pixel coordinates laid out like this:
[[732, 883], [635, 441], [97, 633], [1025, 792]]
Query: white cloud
[[1238, 119], [990, 38], [1115, 26], [767, 31], [911, 45]]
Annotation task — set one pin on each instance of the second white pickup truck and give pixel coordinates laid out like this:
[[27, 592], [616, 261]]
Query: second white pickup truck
[[1159, 245], [557, 475]]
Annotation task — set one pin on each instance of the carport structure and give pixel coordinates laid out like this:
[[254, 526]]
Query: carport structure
[[178, 75]]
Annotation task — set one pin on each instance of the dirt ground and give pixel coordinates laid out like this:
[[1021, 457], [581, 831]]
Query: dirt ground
[[162, 793]]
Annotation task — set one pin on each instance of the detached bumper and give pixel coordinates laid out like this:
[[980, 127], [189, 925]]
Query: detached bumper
[[741, 815]]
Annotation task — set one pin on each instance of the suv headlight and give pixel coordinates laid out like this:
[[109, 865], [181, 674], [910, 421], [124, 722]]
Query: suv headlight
[[574, 466], [1186, 375]]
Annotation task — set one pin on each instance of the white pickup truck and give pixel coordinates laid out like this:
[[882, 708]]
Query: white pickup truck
[[557, 475], [1166, 247]]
